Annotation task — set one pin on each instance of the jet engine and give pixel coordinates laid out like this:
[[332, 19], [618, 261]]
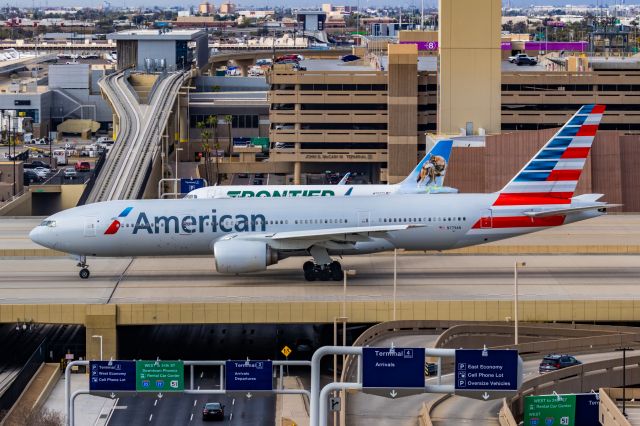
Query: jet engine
[[236, 256]]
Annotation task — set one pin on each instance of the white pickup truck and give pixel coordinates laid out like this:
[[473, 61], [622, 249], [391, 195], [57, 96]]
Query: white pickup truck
[[523, 58]]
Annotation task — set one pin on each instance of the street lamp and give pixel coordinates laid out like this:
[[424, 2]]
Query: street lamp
[[515, 295], [624, 350], [176, 171], [98, 337], [395, 280]]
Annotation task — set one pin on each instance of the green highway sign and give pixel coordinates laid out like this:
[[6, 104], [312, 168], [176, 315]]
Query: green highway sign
[[159, 376], [550, 410]]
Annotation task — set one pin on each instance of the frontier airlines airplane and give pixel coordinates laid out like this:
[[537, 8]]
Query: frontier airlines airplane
[[426, 177], [249, 234]]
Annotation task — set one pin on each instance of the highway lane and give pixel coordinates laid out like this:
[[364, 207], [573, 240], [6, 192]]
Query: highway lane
[[183, 409], [420, 277]]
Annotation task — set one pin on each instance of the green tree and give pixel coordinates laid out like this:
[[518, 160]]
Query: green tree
[[205, 134], [229, 120], [212, 123]]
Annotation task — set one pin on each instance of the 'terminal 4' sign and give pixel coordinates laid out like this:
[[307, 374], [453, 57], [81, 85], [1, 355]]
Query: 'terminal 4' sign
[[393, 372]]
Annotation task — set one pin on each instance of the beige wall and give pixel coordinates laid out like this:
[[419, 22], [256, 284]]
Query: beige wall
[[70, 195], [469, 65]]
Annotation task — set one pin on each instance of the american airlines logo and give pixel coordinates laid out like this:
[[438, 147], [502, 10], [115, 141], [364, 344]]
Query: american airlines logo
[[115, 225]]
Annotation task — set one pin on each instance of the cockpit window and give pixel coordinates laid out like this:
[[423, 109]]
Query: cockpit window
[[48, 223]]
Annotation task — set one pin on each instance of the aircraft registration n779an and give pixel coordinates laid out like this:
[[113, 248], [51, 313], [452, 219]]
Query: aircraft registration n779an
[[249, 234]]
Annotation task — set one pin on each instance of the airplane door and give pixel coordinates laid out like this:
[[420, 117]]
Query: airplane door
[[364, 218], [486, 220], [90, 224]]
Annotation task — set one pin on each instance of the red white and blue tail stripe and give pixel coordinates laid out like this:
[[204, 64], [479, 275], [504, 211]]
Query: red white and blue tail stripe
[[552, 174]]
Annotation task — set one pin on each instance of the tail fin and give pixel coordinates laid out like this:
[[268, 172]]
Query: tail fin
[[344, 179], [433, 167], [552, 175]]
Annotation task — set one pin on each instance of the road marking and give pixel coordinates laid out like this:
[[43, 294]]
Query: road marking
[[198, 387], [191, 418], [201, 374], [230, 416], [233, 401], [150, 417], [155, 402], [195, 401]]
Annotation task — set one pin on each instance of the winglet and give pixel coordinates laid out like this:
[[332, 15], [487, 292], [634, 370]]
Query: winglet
[[431, 170]]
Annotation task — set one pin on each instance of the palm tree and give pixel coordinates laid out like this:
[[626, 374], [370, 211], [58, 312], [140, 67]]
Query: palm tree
[[205, 135], [212, 122], [229, 119]]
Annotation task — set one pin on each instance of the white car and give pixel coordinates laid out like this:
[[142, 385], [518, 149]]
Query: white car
[[70, 172], [42, 172]]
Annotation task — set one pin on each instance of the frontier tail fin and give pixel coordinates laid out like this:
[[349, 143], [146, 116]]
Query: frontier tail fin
[[552, 175], [431, 170]]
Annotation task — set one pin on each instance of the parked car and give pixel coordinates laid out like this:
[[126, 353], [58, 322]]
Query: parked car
[[513, 58], [553, 362], [82, 166], [29, 177], [213, 411], [42, 172], [430, 369], [526, 60], [36, 163], [70, 173], [349, 58]]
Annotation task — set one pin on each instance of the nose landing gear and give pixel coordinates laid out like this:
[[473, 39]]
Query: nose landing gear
[[84, 272]]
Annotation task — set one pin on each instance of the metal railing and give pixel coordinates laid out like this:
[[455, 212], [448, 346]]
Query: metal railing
[[22, 379]]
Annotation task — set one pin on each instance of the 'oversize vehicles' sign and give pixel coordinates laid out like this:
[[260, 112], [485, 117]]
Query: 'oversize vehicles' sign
[[393, 372], [254, 376], [487, 374]]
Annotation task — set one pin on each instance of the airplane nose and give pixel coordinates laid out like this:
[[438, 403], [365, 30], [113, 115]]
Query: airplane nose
[[42, 235], [36, 235]]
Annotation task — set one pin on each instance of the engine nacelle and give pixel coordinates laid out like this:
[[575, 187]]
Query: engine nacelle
[[236, 256]]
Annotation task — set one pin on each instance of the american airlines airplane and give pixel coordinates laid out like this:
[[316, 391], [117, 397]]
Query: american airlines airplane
[[426, 177], [249, 234]]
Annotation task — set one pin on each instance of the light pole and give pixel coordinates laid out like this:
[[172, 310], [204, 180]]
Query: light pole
[[15, 124], [515, 295], [395, 280], [176, 171], [624, 350], [98, 337]]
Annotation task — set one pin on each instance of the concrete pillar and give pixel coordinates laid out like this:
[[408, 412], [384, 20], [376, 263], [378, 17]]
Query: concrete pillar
[[184, 125], [297, 166], [100, 320], [469, 77], [244, 66], [402, 118], [115, 126]]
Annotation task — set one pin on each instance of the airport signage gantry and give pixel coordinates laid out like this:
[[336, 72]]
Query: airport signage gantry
[[396, 372]]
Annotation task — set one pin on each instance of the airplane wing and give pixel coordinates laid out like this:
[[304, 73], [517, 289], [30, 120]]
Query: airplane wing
[[569, 210], [295, 240]]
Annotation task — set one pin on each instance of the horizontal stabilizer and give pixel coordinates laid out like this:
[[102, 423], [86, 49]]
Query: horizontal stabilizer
[[570, 210]]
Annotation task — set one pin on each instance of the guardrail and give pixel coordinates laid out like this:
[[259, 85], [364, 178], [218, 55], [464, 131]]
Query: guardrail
[[609, 412], [19, 383]]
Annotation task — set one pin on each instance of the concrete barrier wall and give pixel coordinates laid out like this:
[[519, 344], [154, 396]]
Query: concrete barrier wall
[[609, 414]]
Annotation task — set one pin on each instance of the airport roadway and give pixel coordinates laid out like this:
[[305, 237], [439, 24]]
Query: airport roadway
[[185, 409]]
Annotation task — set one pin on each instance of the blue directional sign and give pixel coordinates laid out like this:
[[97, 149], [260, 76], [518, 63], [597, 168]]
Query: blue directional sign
[[188, 185], [393, 368], [251, 376], [112, 376], [486, 370], [587, 407]]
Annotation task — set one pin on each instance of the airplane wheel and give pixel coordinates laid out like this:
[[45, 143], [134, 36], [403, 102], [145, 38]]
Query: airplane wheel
[[337, 274], [308, 266], [310, 275], [325, 274], [84, 273]]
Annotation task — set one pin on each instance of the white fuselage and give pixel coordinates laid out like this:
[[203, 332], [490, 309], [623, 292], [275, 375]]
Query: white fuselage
[[191, 227]]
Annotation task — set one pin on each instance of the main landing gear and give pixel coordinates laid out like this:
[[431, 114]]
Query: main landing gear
[[84, 272], [323, 268], [332, 271]]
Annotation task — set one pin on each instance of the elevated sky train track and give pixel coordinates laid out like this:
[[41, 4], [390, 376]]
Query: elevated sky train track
[[139, 137]]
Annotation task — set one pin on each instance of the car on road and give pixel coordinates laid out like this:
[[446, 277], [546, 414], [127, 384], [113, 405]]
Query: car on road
[[213, 411], [553, 362], [82, 166], [70, 172], [430, 369], [526, 60]]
